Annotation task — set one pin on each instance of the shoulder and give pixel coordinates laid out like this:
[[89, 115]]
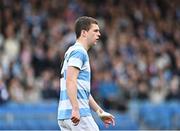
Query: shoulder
[[78, 51], [76, 48]]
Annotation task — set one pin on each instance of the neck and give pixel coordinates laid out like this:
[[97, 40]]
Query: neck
[[83, 43]]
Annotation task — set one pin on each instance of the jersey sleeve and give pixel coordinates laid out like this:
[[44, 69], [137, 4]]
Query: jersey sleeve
[[77, 58]]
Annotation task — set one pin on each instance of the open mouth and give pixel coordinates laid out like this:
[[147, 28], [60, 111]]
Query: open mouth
[[97, 39]]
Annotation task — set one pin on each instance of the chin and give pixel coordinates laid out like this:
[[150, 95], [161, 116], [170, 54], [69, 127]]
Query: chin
[[95, 42]]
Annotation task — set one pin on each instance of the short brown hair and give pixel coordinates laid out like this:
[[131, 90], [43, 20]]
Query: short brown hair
[[83, 23]]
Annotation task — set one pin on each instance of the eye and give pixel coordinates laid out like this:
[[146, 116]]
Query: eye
[[96, 30]]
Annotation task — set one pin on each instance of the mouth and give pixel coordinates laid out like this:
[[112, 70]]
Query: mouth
[[97, 39]]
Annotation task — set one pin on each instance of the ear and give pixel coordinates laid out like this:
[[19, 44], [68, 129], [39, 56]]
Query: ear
[[83, 33]]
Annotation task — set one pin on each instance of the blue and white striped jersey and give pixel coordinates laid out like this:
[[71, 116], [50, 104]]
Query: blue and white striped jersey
[[75, 56]]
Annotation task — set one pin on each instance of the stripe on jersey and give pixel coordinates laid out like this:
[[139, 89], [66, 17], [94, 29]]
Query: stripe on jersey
[[81, 94]]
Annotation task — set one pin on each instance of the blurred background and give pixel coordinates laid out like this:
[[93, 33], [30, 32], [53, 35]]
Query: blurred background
[[135, 65]]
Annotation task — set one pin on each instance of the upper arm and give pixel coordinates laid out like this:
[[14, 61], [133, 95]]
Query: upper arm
[[77, 59], [75, 63], [72, 73]]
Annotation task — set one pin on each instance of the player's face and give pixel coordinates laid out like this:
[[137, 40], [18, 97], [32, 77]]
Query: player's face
[[93, 34]]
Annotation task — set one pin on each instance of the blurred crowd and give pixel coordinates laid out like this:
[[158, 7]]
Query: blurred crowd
[[137, 58]]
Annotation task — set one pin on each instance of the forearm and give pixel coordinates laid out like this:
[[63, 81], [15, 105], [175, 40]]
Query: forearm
[[93, 104], [106, 117], [71, 85], [72, 94]]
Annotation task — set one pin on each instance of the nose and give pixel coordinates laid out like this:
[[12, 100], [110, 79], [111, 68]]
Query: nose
[[99, 34]]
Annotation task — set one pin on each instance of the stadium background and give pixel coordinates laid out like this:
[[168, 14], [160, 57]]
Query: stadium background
[[135, 66]]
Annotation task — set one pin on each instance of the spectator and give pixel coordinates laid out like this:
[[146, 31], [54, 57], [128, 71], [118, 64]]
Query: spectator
[[142, 91], [174, 90], [109, 90], [139, 46], [4, 94], [16, 91]]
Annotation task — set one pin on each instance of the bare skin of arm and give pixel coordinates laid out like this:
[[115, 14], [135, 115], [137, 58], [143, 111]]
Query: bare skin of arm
[[94, 105], [71, 84], [107, 118]]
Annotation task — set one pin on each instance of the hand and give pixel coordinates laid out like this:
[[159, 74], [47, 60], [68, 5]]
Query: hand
[[75, 117], [106, 117]]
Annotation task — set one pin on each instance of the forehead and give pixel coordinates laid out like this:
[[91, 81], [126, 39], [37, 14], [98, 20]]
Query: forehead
[[94, 27]]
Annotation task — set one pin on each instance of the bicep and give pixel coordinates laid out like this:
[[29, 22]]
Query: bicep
[[72, 73], [77, 59]]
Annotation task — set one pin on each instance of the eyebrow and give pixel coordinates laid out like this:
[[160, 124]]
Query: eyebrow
[[96, 30]]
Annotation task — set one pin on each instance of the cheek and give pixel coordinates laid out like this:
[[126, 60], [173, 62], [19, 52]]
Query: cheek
[[94, 36], [91, 36]]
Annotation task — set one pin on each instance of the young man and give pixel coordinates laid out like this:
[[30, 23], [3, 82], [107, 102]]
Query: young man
[[74, 112]]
